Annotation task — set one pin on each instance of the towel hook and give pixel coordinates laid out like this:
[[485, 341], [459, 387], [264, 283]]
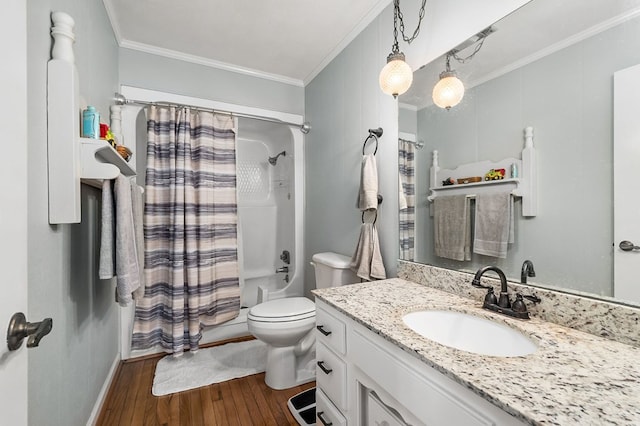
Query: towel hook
[[375, 134]]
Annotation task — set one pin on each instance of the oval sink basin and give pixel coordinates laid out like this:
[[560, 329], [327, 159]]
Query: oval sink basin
[[470, 333]]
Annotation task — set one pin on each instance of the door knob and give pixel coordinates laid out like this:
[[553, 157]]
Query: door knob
[[19, 328], [628, 246]]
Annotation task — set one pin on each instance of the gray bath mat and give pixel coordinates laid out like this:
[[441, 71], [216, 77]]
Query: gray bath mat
[[210, 365]]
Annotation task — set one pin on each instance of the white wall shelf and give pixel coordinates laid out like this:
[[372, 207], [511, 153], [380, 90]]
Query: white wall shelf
[[72, 159], [524, 186], [100, 161], [513, 183]]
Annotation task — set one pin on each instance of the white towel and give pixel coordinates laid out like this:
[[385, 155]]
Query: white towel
[[494, 224], [452, 227], [368, 192], [402, 197], [107, 233], [137, 204], [127, 268], [366, 262]]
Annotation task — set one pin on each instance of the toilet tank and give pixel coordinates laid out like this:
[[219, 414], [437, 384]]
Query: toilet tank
[[332, 270]]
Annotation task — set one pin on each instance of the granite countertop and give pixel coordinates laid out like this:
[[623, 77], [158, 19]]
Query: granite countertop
[[574, 378]]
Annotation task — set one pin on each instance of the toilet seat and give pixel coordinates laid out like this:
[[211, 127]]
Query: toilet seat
[[283, 310]]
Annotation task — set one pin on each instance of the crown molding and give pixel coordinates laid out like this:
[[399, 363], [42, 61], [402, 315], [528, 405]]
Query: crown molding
[[364, 22], [111, 14], [576, 38], [174, 54]]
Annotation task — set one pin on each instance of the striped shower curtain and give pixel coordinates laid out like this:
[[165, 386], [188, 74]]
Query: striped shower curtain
[[190, 229], [406, 155]]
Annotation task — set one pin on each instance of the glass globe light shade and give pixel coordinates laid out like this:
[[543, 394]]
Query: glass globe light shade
[[448, 91], [396, 77]]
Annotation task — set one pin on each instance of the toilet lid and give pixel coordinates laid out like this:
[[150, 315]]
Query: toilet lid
[[282, 310]]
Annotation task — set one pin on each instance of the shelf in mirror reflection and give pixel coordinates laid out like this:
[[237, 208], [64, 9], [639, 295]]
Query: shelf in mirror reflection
[[571, 241]]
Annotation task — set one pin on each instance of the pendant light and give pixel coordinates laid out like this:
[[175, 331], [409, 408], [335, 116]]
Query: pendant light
[[449, 90], [396, 77]]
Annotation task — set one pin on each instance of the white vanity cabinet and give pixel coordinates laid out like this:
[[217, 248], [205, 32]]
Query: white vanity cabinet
[[331, 369], [377, 383]]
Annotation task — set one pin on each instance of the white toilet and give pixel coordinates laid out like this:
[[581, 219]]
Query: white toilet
[[286, 325]]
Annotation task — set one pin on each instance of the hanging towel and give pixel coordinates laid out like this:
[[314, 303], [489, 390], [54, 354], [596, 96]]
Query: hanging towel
[[368, 192], [494, 224], [106, 269], [126, 256], [137, 205], [377, 265], [366, 262], [402, 197], [452, 227]]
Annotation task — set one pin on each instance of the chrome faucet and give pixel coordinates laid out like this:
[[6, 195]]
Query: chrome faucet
[[284, 269], [503, 304], [527, 271]]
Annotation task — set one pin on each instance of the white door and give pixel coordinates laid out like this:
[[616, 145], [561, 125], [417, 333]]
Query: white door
[[626, 161], [13, 207]]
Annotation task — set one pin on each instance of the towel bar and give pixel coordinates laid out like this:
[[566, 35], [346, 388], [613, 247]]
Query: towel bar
[[375, 134]]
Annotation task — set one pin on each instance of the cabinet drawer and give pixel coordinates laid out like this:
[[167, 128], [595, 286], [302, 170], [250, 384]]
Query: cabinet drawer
[[326, 412], [331, 375], [330, 331]]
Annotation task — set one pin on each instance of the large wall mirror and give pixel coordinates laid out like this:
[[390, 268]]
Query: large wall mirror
[[549, 65]]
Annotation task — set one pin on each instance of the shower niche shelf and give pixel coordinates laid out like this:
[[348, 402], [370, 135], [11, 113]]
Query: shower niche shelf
[[73, 160], [524, 186]]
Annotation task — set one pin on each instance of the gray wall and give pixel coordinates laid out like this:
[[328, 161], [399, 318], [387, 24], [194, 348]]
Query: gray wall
[[69, 368], [570, 241], [407, 120], [342, 103], [345, 100], [155, 72]]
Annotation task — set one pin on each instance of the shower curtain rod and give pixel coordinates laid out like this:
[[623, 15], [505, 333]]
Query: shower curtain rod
[[418, 144], [120, 99]]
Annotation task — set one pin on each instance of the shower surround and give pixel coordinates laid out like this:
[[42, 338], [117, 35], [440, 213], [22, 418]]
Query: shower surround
[[270, 209]]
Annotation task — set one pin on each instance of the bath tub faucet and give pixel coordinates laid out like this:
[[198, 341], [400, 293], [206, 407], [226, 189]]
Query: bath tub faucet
[[274, 160], [284, 269], [527, 271], [503, 304]]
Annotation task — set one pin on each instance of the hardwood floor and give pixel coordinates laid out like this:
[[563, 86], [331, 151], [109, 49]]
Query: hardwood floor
[[243, 402]]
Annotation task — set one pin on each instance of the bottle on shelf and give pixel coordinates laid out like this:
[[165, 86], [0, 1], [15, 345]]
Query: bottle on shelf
[[91, 123]]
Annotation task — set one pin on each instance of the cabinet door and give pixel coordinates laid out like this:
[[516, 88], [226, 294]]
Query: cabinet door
[[379, 414], [422, 392]]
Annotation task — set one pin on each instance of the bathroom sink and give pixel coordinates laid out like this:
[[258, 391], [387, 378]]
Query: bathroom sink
[[470, 333]]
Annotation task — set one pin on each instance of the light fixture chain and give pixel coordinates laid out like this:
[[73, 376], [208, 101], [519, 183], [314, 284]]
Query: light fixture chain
[[395, 48], [454, 53], [398, 15]]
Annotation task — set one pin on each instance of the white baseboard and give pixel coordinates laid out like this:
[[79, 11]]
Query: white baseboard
[[95, 413]]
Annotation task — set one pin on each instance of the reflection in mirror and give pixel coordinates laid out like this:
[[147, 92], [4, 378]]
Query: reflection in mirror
[[549, 65]]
